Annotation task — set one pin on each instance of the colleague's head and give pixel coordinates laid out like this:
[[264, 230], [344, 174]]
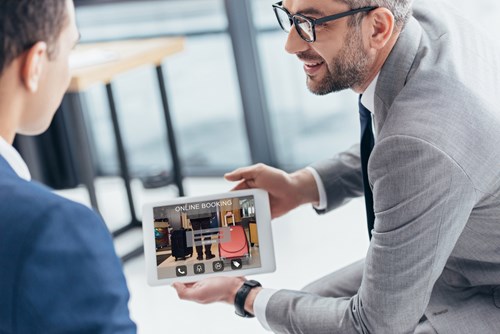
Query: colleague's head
[[36, 38], [343, 51]]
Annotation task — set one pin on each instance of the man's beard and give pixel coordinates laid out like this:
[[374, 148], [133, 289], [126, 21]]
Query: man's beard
[[348, 69]]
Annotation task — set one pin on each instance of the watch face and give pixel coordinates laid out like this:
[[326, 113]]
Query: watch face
[[252, 283]]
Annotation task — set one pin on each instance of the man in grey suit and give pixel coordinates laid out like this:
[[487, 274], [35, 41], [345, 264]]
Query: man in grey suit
[[429, 170]]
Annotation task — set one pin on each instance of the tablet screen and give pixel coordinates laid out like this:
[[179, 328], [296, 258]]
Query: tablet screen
[[206, 237]]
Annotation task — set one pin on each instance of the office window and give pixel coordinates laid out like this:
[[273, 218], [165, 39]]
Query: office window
[[202, 88]]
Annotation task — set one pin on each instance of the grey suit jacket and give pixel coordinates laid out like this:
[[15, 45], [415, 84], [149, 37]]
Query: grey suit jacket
[[435, 176]]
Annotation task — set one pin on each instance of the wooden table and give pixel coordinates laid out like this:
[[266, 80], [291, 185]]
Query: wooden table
[[124, 56], [100, 63]]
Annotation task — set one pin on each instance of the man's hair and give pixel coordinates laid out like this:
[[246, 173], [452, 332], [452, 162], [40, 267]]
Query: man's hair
[[23, 23], [401, 9]]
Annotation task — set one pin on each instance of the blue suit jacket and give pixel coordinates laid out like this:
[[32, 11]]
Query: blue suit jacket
[[58, 270]]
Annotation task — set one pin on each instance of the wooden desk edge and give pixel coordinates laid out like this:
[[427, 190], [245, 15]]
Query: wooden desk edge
[[104, 73]]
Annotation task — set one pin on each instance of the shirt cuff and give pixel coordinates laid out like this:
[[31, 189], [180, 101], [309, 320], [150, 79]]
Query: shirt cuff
[[321, 189], [260, 305]]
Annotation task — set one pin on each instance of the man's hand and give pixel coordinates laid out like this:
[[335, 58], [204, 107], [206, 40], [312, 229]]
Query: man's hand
[[286, 191], [215, 289], [210, 290]]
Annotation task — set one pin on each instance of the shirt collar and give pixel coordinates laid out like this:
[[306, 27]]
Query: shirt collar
[[9, 153], [368, 97]]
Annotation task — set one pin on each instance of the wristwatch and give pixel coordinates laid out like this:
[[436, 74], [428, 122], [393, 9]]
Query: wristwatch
[[241, 297]]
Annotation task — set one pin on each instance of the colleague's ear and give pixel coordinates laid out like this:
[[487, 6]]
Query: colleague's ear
[[380, 23], [33, 66]]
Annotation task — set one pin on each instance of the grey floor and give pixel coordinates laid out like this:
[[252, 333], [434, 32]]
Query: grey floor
[[307, 246]]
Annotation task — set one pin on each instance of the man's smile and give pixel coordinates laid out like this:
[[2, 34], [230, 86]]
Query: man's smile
[[312, 66]]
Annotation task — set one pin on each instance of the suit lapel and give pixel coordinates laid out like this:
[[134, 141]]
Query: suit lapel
[[395, 71]]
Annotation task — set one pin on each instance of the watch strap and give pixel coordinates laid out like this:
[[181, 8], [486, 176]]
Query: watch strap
[[241, 297]]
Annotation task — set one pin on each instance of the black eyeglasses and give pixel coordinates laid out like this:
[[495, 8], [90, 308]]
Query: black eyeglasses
[[305, 25]]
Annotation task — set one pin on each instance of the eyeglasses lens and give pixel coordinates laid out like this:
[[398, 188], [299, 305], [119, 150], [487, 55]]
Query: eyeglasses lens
[[284, 21], [304, 28]]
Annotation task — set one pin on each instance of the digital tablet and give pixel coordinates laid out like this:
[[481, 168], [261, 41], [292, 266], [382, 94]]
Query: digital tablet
[[190, 238]]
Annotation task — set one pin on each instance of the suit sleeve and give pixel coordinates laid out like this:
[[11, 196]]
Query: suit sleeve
[[72, 280], [423, 200], [341, 177]]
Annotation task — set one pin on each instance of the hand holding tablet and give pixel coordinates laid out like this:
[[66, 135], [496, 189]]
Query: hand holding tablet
[[191, 238]]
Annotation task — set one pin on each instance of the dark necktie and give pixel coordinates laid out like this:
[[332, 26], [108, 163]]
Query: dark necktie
[[367, 143]]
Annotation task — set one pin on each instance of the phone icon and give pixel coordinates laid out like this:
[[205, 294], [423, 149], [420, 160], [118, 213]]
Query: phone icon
[[181, 271]]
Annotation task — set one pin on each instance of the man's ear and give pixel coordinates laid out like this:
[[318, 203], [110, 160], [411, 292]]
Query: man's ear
[[380, 23], [33, 66]]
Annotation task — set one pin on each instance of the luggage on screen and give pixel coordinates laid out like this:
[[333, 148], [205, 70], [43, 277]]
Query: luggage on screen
[[237, 247], [180, 250]]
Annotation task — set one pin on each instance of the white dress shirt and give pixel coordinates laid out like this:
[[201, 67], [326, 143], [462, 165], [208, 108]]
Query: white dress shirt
[[262, 298], [9, 153]]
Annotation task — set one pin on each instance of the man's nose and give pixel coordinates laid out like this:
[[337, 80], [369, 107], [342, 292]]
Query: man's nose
[[294, 43]]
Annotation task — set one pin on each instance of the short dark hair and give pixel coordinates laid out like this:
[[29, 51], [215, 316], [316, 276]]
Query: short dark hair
[[26, 22]]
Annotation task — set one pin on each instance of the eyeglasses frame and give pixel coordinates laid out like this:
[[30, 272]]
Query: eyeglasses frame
[[279, 6]]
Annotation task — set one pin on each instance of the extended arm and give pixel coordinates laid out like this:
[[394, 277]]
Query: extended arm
[[341, 176]]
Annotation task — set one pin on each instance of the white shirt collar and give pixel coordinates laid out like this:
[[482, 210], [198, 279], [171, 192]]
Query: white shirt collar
[[9, 153], [368, 97]]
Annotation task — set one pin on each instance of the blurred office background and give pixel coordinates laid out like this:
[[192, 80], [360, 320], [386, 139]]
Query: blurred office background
[[224, 119], [205, 91], [215, 130]]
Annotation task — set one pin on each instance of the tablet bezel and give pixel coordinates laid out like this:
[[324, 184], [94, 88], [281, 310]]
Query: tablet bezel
[[264, 231]]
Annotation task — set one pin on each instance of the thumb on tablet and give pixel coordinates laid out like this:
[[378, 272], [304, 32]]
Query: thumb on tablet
[[235, 175], [246, 173]]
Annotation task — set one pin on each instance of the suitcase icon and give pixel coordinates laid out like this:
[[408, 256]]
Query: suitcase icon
[[180, 250], [237, 247]]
